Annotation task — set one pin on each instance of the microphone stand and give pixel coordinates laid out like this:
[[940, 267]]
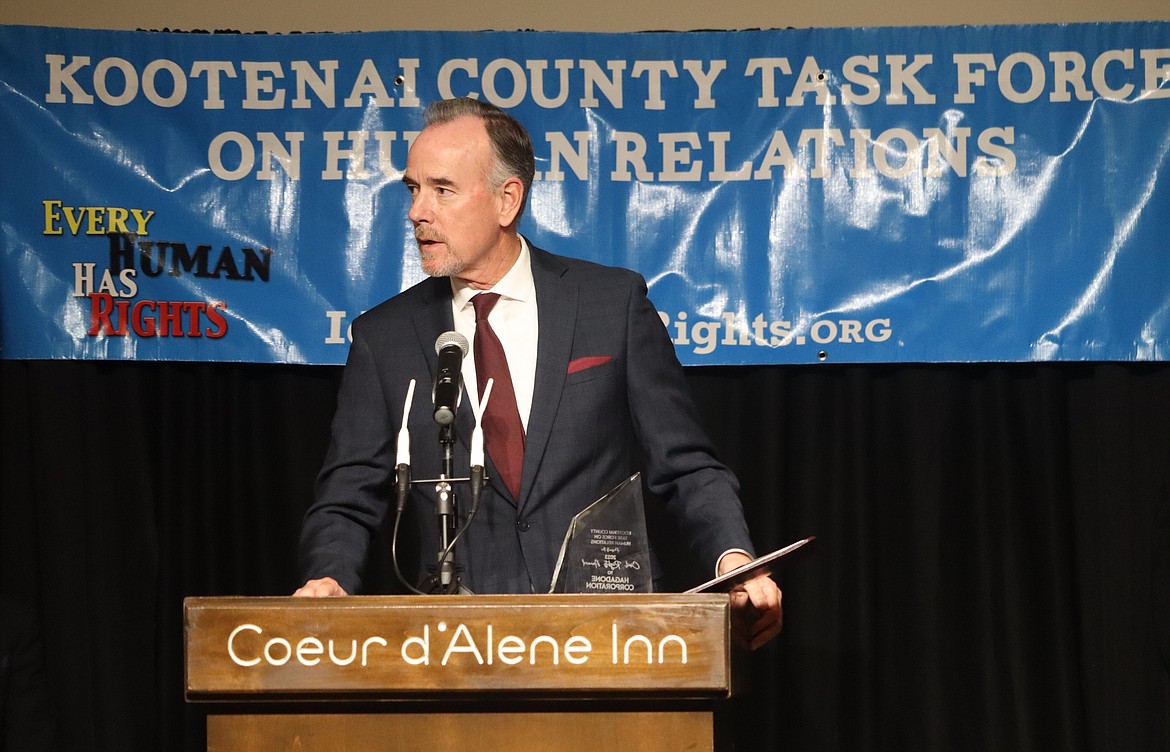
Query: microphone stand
[[448, 576], [446, 579]]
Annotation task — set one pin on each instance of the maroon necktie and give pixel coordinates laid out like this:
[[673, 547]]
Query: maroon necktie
[[503, 433]]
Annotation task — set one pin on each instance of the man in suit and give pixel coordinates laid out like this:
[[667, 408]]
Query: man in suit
[[596, 390]]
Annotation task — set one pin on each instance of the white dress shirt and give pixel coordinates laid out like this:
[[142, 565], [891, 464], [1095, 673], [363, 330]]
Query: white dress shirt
[[515, 322]]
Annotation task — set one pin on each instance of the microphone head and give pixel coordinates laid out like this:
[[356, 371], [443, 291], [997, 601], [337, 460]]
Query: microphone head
[[451, 347], [447, 339]]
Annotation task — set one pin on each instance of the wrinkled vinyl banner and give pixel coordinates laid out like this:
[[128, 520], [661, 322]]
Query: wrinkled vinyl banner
[[850, 195]]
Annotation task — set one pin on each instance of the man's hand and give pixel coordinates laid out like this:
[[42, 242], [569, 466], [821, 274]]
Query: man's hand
[[756, 609], [324, 587]]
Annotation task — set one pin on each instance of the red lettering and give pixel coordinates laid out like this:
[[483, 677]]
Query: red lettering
[[150, 318], [217, 320], [100, 306], [123, 307], [170, 318], [143, 325], [194, 308]]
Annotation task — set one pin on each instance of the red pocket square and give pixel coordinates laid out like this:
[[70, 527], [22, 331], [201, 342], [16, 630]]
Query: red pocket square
[[580, 364]]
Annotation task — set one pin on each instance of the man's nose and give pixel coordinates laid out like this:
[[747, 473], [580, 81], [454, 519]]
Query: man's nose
[[419, 209]]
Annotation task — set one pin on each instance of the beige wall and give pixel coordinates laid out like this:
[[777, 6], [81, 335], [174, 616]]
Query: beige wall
[[565, 15]]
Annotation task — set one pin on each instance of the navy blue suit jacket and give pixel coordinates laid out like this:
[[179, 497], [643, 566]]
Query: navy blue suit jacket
[[609, 400]]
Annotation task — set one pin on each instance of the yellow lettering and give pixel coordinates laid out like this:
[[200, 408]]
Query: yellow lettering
[[118, 217], [97, 220], [142, 218], [97, 215], [74, 224], [52, 217]]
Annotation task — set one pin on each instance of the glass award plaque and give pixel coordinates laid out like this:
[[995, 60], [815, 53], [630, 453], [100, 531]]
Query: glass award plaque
[[606, 550]]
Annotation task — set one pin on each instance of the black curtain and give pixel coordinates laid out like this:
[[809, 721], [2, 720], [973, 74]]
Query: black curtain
[[991, 570]]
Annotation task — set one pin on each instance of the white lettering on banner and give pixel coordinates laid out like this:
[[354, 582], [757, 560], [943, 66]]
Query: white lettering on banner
[[559, 148], [271, 147], [248, 646], [83, 281], [728, 330], [863, 79], [686, 156], [264, 83], [812, 79], [731, 330], [336, 319], [1023, 77], [1157, 69], [506, 83], [894, 153], [354, 153], [231, 155]]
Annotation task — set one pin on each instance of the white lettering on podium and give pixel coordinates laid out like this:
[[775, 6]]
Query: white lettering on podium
[[305, 651], [464, 643], [423, 644], [467, 645], [232, 646], [644, 641]]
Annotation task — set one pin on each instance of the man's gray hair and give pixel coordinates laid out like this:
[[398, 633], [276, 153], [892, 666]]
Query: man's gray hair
[[511, 144]]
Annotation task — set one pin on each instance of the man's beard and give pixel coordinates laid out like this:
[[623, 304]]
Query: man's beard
[[447, 264]]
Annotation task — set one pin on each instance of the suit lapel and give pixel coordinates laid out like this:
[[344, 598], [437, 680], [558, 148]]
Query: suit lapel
[[556, 305]]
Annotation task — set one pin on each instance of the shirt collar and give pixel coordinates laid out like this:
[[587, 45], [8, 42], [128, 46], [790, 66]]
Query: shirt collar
[[517, 284]]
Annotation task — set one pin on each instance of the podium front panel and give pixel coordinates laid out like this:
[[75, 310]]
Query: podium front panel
[[565, 731], [415, 647]]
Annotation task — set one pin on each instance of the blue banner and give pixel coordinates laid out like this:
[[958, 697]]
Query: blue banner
[[849, 195]]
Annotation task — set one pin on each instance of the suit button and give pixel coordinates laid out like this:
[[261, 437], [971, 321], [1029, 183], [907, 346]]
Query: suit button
[[522, 526]]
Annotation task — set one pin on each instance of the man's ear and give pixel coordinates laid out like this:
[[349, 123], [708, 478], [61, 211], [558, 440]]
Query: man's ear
[[511, 198]]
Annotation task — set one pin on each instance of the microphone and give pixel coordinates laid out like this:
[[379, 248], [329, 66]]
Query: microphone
[[451, 347]]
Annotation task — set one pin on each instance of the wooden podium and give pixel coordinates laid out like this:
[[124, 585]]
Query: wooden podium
[[579, 673]]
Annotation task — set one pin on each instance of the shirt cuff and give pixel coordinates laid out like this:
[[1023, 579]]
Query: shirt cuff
[[730, 551]]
